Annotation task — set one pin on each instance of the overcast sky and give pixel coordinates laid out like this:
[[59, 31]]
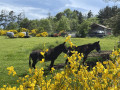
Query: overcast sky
[[37, 9]]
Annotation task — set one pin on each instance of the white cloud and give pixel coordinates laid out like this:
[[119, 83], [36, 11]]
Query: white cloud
[[30, 12], [93, 5], [37, 9]]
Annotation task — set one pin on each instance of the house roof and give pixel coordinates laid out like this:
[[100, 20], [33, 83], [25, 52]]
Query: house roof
[[94, 25]]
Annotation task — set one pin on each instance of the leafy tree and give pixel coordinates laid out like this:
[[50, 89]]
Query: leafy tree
[[7, 17], [12, 17], [45, 23], [25, 23], [80, 18], [32, 24], [3, 19], [40, 30], [114, 23], [74, 24], [83, 28], [107, 13], [12, 25], [67, 13], [63, 24], [59, 15], [89, 15]]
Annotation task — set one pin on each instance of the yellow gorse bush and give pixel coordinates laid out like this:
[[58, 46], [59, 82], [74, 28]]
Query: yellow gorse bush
[[3, 32], [24, 29], [14, 31], [104, 76], [21, 35], [43, 34]]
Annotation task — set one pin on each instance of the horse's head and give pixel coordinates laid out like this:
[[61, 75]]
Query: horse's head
[[97, 46], [64, 48]]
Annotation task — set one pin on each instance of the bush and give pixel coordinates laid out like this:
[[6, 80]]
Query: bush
[[21, 35], [3, 32]]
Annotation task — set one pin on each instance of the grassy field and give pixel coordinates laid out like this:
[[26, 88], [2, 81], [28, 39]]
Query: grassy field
[[15, 52]]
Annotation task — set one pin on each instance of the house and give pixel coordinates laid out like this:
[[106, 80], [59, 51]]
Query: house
[[98, 30], [72, 33]]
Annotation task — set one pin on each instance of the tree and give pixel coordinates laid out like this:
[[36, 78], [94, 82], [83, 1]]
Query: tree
[[74, 24], [25, 23], [67, 13], [83, 28], [45, 23], [63, 24], [89, 15], [107, 13], [59, 15], [80, 18], [114, 23], [3, 19], [12, 25], [11, 16]]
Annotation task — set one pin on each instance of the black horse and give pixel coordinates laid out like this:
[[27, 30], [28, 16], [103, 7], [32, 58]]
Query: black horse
[[51, 55], [85, 49]]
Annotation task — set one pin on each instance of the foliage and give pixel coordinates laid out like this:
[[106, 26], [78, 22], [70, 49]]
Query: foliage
[[107, 13], [8, 19], [21, 35], [24, 30], [43, 34], [63, 24], [114, 23], [14, 31], [74, 75], [3, 32], [89, 15], [83, 28]]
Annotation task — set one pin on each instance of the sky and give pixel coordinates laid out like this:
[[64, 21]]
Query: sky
[[38, 9]]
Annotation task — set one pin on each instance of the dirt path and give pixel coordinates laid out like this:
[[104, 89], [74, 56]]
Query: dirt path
[[95, 54]]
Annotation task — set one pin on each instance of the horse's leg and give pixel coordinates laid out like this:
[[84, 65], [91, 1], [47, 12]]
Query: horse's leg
[[52, 63], [34, 63], [66, 61], [84, 59]]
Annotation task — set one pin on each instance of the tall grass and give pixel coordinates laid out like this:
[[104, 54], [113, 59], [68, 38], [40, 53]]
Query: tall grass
[[15, 52]]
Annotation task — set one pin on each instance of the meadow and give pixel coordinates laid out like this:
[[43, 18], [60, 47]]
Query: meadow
[[15, 52]]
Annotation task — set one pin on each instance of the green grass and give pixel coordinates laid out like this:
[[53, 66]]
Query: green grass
[[15, 52]]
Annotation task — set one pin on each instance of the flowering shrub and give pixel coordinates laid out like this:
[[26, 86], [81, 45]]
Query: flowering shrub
[[3, 32], [24, 29], [43, 34], [104, 76], [21, 35], [14, 31], [33, 32]]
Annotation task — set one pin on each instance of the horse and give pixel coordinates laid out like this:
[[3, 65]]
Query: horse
[[51, 55], [85, 49]]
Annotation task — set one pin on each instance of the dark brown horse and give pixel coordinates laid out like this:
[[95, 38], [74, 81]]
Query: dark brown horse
[[85, 49], [51, 55]]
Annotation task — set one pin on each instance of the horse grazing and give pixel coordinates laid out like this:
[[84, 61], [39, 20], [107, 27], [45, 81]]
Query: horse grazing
[[85, 49], [51, 55]]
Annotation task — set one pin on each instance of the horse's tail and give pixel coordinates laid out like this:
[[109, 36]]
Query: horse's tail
[[30, 61]]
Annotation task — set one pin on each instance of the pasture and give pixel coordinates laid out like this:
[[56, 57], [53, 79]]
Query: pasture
[[15, 52]]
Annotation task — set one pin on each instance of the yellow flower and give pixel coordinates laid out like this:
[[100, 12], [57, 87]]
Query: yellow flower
[[46, 50], [14, 73], [42, 61], [65, 55], [42, 53], [30, 70], [67, 38], [4, 86], [118, 74], [52, 69]]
